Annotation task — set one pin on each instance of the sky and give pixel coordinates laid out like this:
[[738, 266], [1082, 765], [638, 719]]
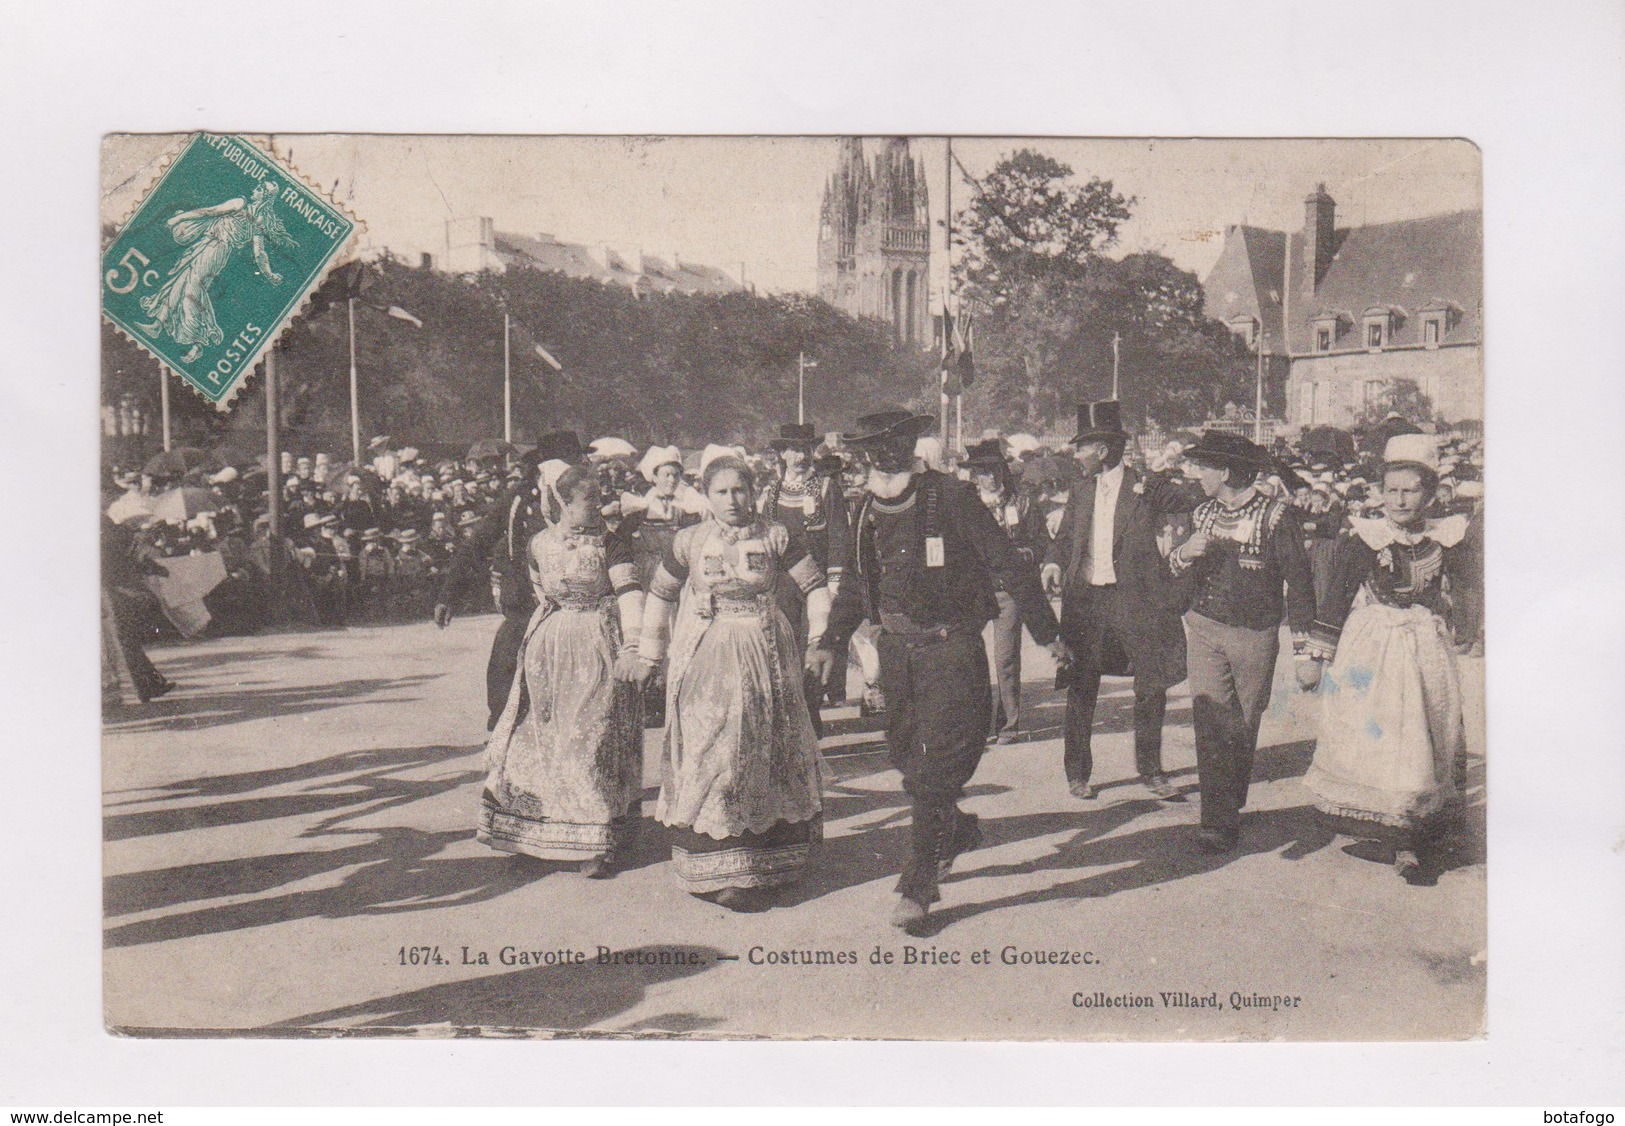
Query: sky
[[753, 202]]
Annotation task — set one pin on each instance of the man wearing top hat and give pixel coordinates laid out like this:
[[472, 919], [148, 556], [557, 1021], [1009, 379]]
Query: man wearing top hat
[[1244, 550], [812, 507], [923, 565], [996, 488], [502, 542], [1118, 614]]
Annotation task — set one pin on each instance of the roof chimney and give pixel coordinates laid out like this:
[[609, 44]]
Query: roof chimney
[[1319, 235]]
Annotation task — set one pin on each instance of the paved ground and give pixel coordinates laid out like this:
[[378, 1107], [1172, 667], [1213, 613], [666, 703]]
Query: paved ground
[[296, 818]]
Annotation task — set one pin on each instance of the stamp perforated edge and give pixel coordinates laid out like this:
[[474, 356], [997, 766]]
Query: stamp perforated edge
[[343, 255]]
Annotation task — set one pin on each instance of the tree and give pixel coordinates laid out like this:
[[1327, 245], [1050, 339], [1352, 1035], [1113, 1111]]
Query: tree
[[1050, 304], [684, 368]]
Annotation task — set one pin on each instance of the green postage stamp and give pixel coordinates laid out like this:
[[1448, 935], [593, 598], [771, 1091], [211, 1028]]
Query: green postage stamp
[[218, 258]]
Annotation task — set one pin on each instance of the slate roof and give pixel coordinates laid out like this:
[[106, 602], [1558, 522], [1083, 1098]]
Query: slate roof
[[1408, 266], [544, 252]]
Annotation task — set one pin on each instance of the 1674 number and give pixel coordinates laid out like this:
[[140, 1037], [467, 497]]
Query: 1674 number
[[422, 956]]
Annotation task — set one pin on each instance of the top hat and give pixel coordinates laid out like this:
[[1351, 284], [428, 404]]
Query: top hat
[[1100, 422], [1219, 448], [795, 436], [985, 455], [888, 423], [559, 445]]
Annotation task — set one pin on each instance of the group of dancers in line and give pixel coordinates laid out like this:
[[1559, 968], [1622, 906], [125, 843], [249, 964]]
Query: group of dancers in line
[[926, 566]]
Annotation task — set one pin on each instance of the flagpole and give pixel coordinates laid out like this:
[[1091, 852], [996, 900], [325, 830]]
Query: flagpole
[[273, 474], [1116, 337], [801, 387], [163, 399], [507, 384], [355, 397], [1258, 395], [948, 276]]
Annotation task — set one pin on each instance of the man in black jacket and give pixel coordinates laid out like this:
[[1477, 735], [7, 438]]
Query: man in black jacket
[[501, 545], [924, 560], [1119, 606]]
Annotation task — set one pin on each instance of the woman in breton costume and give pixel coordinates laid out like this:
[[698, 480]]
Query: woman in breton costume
[[566, 756], [1390, 760], [741, 789], [650, 523]]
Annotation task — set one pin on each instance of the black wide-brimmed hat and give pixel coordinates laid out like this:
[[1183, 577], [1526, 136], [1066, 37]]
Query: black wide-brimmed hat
[[985, 455], [1100, 422], [795, 436], [1219, 448], [889, 423], [560, 445]]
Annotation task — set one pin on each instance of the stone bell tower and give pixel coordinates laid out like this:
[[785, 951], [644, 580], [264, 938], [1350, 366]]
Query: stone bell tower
[[874, 238]]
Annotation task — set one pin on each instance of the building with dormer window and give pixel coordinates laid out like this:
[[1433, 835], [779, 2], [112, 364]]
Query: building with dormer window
[[1345, 312]]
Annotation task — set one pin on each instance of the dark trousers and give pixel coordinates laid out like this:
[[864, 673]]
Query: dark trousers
[[1231, 670], [1005, 634], [504, 662], [1150, 708], [1101, 639], [938, 712]]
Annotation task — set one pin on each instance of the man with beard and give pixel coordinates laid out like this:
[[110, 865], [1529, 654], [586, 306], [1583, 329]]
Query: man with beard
[[923, 566], [502, 544]]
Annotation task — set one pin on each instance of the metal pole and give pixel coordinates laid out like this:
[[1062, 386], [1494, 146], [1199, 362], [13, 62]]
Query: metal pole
[[507, 385], [273, 473], [355, 396], [163, 399], [948, 274], [801, 387], [1116, 338], [1258, 395]]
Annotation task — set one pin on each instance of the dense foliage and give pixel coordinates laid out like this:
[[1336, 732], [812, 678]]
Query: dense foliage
[[1048, 301], [669, 368]]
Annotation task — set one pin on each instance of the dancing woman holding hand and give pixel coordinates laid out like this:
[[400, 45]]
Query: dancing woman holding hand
[[742, 780], [566, 755]]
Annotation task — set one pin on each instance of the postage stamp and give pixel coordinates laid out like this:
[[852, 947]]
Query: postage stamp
[[218, 258]]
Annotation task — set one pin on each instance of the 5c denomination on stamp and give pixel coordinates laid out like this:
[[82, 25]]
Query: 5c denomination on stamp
[[218, 258]]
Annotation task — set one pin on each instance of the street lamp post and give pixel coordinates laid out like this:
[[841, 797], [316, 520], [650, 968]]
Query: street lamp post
[[355, 397], [802, 364], [163, 399]]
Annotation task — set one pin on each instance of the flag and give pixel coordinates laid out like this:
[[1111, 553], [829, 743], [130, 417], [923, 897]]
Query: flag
[[958, 365], [547, 358]]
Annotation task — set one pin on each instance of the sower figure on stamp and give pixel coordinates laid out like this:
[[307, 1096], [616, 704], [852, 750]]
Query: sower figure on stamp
[[502, 543], [1243, 549], [1116, 613], [925, 556]]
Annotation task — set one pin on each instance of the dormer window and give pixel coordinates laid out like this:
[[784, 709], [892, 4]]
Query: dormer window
[[1438, 318], [1380, 322], [1328, 327]]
